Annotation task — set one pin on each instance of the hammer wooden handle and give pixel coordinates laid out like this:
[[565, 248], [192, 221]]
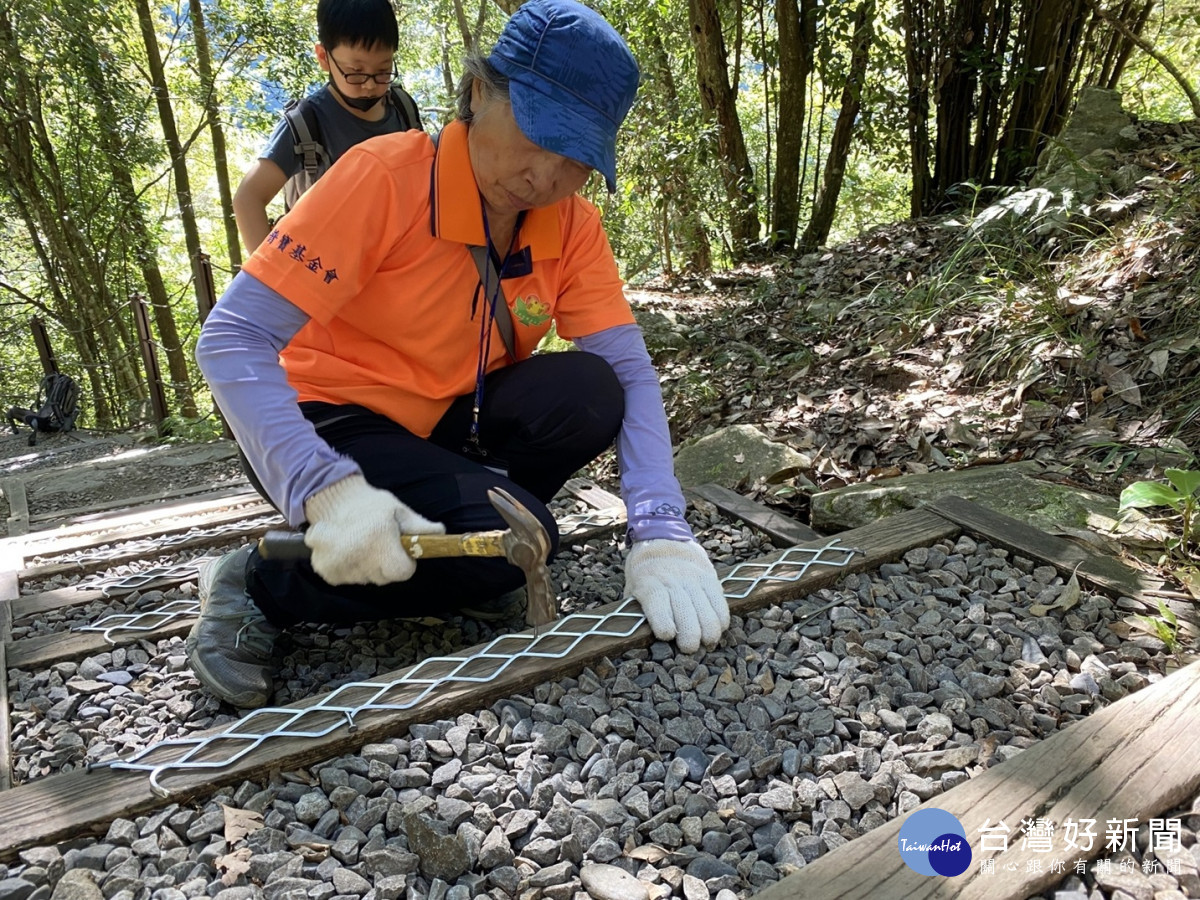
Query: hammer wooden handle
[[282, 545]]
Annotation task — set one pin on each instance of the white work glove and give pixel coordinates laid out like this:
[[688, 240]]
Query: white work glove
[[354, 533], [677, 587]]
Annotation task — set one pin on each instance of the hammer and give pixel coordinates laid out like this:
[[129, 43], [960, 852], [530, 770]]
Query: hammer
[[525, 544]]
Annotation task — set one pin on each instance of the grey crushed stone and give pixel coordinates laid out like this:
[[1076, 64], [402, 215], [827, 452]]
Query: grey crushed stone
[[739, 764]]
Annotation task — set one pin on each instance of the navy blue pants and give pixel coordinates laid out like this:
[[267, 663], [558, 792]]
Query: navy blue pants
[[541, 421]]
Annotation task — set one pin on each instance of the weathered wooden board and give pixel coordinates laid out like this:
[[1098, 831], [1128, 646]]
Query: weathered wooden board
[[252, 527], [144, 503], [62, 598], [137, 525], [47, 649], [77, 803], [18, 505], [9, 590], [783, 530], [592, 494], [1104, 572], [1134, 759]]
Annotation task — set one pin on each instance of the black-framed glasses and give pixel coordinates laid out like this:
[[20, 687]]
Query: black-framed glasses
[[357, 78]]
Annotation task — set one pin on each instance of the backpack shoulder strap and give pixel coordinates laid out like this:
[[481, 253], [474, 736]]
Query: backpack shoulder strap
[[406, 106], [306, 132]]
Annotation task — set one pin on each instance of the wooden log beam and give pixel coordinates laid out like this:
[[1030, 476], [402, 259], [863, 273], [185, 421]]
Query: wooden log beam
[[572, 531], [784, 531], [9, 590], [60, 646], [77, 803], [65, 598], [134, 526], [592, 494], [18, 505], [145, 504], [1106, 573], [1134, 759], [250, 531]]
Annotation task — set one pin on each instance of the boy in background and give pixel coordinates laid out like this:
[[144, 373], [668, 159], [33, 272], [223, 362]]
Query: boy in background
[[356, 48]]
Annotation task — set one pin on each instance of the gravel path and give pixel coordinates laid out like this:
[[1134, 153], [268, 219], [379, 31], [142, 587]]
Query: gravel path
[[698, 776]]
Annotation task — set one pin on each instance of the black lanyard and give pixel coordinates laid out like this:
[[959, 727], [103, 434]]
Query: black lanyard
[[491, 297]]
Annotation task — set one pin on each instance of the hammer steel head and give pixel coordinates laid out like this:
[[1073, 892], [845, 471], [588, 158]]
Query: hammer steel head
[[527, 546]]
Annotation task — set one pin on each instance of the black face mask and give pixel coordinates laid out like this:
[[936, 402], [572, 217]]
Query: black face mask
[[362, 104]]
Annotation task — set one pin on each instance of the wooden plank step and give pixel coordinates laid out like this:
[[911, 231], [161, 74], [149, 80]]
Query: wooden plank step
[[1106, 573], [8, 593], [85, 802], [144, 503], [784, 531], [592, 494], [250, 531], [135, 525], [18, 505], [33, 653], [1134, 759]]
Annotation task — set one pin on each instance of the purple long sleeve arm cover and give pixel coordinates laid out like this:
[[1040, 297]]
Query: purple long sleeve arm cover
[[653, 498], [238, 353]]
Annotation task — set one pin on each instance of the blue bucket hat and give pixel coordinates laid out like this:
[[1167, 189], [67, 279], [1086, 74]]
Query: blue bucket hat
[[571, 78]]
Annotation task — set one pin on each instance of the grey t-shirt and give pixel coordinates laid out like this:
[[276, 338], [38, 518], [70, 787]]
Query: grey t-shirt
[[340, 130]]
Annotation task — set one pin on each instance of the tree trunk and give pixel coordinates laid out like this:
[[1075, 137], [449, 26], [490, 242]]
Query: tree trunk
[[51, 212], [795, 65], [681, 209], [1046, 62], [137, 231], [993, 93], [166, 115], [957, 79], [719, 99], [821, 220], [1120, 44], [208, 84], [918, 57]]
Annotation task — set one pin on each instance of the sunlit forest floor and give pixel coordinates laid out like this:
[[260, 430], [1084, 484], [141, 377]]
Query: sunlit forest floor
[[1039, 328]]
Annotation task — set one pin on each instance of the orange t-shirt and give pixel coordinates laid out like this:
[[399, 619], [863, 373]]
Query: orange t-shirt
[[376, 254]]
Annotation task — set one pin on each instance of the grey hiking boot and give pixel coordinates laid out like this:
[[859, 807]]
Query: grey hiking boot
[[230, 647], [498, 609]]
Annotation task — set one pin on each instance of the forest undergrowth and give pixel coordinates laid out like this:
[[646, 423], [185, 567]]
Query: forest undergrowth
[[1045, 325]]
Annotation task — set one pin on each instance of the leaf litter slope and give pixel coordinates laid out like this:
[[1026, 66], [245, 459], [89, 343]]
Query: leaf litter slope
[[935, 344]]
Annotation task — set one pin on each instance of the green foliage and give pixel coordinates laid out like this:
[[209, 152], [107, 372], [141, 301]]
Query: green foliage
[[180, 430], [1179, 495], [1164, 626], [1147, 89]]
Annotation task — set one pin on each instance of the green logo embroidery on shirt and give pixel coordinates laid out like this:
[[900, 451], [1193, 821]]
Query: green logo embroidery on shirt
[[531, 312]]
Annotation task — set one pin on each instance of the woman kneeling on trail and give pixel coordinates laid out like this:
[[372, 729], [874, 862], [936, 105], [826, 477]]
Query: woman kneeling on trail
[[359, 362]]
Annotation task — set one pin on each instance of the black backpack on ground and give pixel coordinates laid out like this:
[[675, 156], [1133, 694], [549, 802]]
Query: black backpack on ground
[[306, 132], [57, 407]]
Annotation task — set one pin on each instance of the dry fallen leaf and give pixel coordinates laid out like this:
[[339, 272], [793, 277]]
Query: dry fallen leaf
[[1067, 599], [1159, 360], [1189, 577], [958, 433], [1124, 386], [650, 853], [239, 823], [233, 865]]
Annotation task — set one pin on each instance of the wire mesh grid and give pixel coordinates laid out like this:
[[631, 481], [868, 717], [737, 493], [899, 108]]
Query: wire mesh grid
[[345, 704]]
